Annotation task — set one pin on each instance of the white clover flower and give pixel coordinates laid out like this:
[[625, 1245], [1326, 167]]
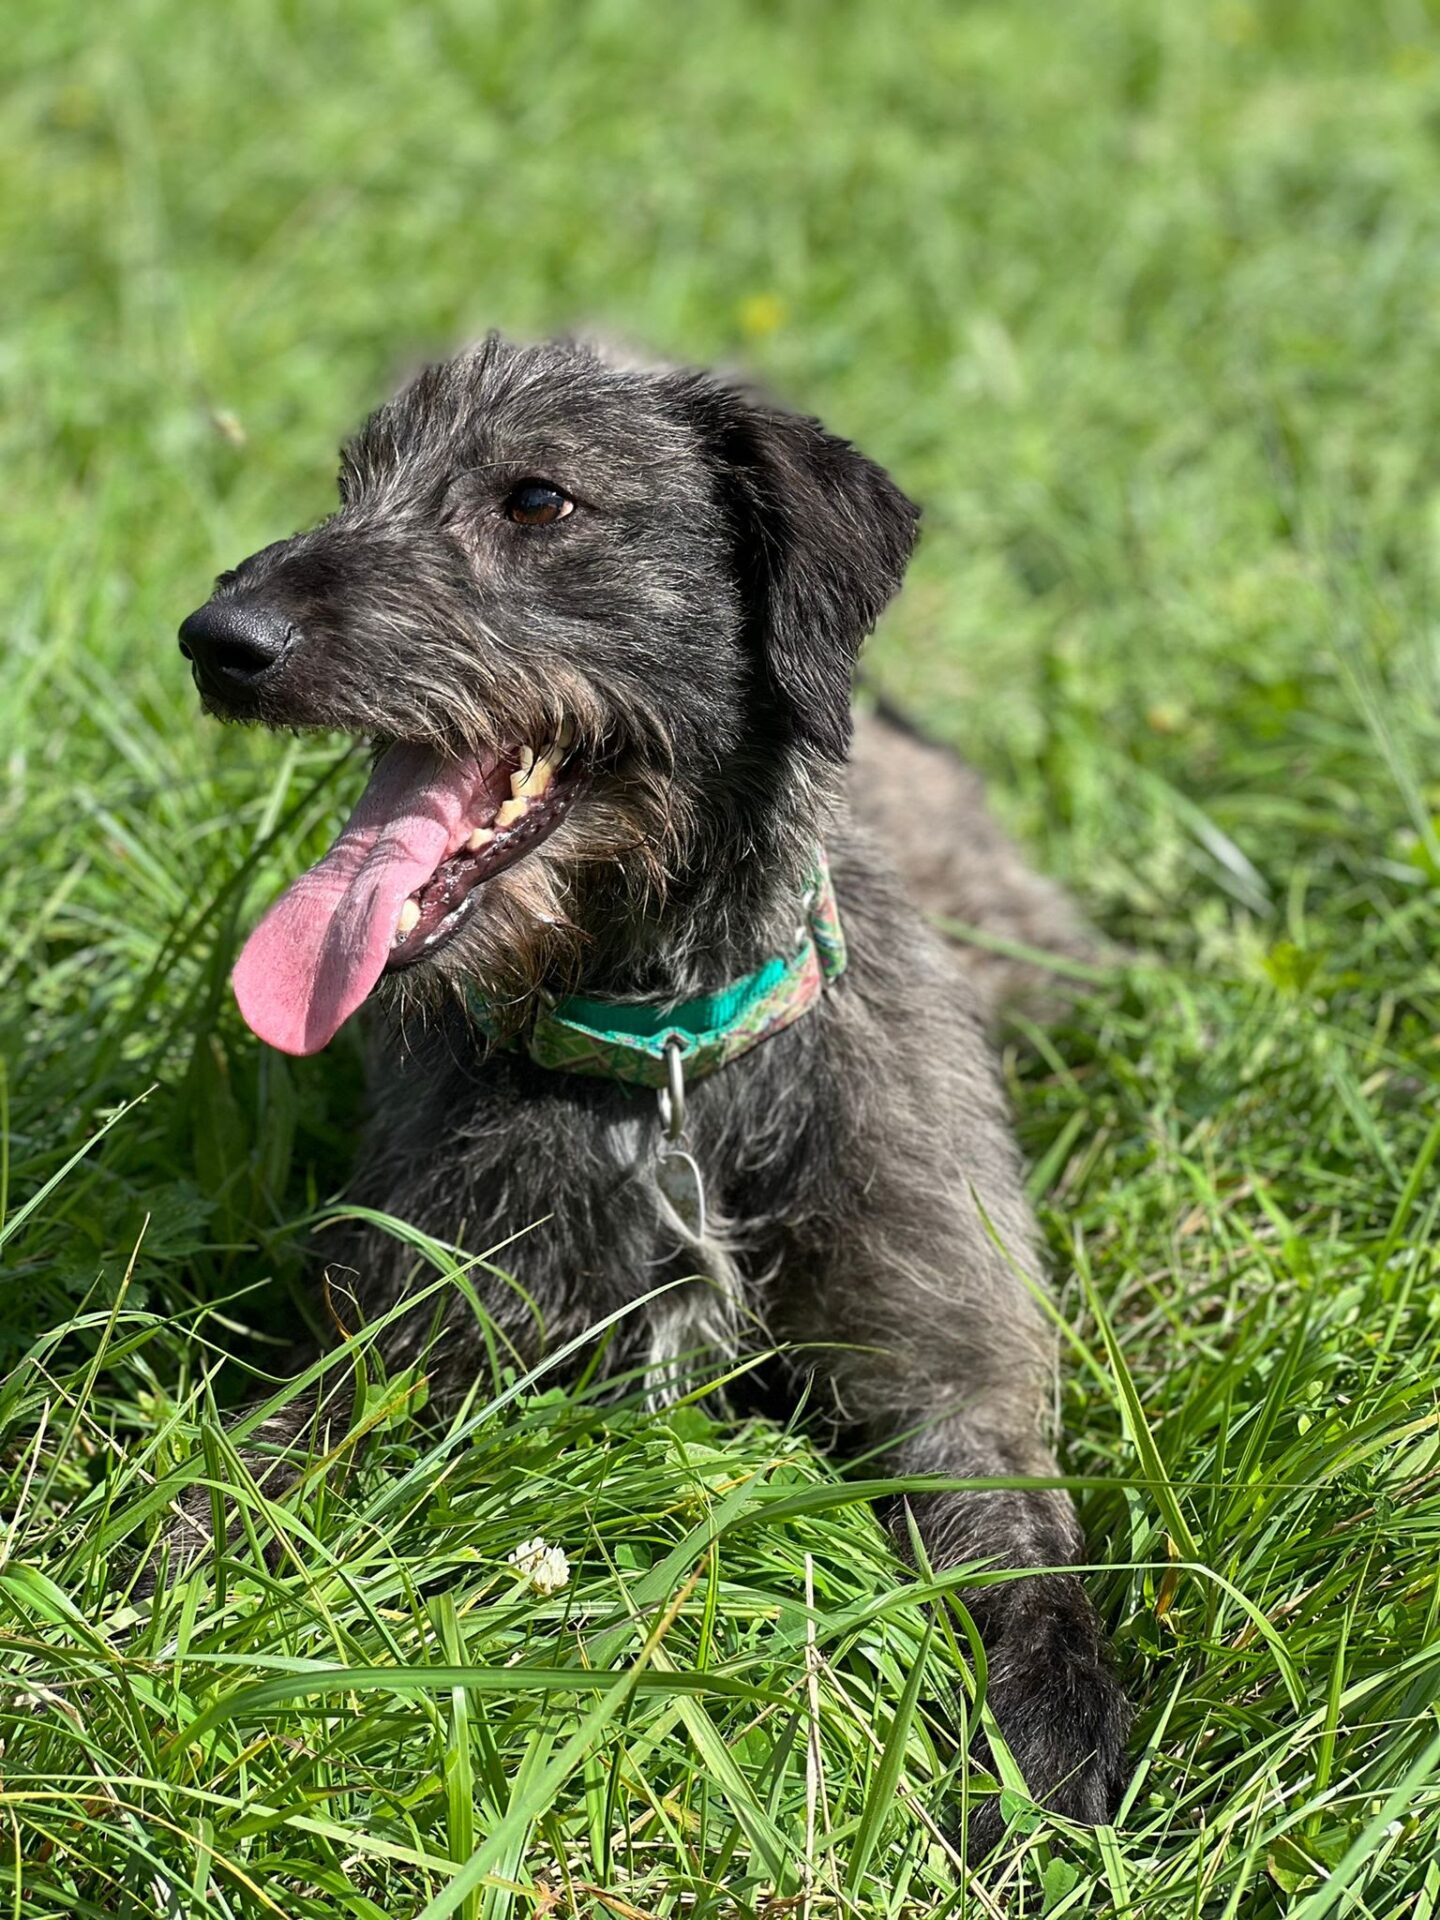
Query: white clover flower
[[545, 1567]]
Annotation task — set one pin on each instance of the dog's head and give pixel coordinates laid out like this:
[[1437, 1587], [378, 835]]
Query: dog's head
[[600, 623]]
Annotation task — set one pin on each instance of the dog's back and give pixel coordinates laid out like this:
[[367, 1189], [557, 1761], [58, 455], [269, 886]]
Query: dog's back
[[958, 864]]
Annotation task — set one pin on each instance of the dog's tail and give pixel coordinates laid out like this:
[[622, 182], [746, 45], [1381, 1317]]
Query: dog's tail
[[963, 870]]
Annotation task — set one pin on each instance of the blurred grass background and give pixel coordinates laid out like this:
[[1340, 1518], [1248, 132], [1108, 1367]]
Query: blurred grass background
[[1143, 303]]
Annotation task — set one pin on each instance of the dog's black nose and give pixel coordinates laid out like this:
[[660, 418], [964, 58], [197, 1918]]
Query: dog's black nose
[[232, 642]]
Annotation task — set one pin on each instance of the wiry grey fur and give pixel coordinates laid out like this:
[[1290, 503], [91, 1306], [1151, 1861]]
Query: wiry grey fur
[[696, 619]]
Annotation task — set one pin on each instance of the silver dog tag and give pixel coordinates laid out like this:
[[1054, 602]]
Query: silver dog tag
[[679, 1181]]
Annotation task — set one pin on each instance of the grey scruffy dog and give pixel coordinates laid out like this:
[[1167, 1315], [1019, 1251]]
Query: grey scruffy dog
[[600, 621]]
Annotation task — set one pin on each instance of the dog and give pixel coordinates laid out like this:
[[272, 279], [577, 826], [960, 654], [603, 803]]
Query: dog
[[640, 955]]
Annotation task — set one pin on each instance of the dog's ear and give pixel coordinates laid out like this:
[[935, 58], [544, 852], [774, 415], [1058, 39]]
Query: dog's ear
[[821, 540]]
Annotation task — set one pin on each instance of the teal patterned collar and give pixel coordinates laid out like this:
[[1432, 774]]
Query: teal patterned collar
[[618, 1040]]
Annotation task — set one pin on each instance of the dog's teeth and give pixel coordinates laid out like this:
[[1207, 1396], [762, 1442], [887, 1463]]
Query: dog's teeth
[[519, 779], [532, 776], [409, 918], [481, 837], [509, 813]]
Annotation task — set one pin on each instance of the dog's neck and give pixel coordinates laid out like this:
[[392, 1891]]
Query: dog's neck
[[708, 930], [734, 906]]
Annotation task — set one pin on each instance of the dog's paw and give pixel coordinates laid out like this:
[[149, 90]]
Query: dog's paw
[[1060, 1708], [189, 1533]]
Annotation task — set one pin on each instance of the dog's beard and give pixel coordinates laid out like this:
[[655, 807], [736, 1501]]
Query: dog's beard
[[587, 897]]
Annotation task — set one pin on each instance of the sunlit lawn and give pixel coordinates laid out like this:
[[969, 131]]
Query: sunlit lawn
[[1143, 303]]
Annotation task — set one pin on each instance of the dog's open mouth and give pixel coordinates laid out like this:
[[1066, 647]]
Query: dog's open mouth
[[401, 880], [506, 818]]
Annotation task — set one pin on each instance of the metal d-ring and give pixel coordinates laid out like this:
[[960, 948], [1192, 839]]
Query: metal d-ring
[[671, 1098]]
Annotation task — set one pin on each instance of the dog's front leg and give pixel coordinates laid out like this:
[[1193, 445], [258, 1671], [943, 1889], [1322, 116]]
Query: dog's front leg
[[1050, 1682]]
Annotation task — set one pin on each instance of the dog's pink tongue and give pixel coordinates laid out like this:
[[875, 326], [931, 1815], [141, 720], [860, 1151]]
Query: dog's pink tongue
[[323, 945]]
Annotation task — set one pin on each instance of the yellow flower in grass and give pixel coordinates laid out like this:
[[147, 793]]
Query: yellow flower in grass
[[759, 314]]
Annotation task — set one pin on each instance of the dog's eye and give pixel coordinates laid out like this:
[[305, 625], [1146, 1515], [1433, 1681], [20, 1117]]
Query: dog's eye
[[535, 503]]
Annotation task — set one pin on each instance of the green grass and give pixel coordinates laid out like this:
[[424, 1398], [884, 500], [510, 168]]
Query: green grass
[[1143, 302]]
